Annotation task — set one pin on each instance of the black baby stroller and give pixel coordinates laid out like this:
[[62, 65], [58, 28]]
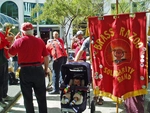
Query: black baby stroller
[[82, 69]]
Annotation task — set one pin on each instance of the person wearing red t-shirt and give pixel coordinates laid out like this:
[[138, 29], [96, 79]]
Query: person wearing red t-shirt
[[57, 51], [5, 42], [32, 75], [76, 44]]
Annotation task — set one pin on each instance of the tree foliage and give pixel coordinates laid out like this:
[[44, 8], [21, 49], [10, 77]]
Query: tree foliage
[[74, 10], [130, 6], [68, 11], [77, 10]]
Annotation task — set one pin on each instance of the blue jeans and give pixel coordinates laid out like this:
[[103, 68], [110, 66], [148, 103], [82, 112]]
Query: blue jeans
[[15, 64]]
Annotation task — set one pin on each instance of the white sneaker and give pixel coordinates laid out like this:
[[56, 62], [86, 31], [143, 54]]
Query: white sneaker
[[8, 98], [3, 104]]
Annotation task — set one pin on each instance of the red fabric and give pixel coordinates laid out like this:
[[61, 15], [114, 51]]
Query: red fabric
[[3, 41], [119, 55], [42, 59], [57, 51], [76, 46], [83, 57], [29, 49]]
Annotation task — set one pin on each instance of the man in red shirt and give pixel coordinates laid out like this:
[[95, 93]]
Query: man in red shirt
[[57, 51], [32, 75], [77, 43]]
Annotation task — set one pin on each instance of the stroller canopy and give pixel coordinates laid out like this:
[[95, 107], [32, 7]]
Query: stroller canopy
[[76, 68]]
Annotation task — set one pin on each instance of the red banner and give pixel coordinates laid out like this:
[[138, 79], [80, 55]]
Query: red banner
[[119, 56]]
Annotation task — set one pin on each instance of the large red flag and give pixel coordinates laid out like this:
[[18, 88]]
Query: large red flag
[[119, 55]]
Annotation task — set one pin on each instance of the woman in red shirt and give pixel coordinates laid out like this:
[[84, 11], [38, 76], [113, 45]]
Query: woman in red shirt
[[76, 44]]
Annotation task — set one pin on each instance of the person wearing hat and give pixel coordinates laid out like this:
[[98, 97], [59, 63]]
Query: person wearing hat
[[32, 75], [5, 43], [59, 55], [77, 43]]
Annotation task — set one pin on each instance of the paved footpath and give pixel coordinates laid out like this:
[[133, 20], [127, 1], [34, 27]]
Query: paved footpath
[[53, 103]]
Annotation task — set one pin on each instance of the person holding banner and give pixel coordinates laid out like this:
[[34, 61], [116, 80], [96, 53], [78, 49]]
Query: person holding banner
[[148, 42], [135, 104]]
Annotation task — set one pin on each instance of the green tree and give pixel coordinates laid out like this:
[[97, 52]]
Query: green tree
[[68, 11], [132, 6]]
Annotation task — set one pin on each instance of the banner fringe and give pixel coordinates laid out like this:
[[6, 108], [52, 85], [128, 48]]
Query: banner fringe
[[148, 31], [125, 96]]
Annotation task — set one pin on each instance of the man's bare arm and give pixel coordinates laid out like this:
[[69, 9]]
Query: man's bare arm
[[79, 54], [46, 63]]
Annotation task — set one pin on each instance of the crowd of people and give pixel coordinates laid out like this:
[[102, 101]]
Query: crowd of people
[[34, 63]]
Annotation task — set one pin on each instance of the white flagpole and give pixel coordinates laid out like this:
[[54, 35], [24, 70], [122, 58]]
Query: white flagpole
[[131, 6]]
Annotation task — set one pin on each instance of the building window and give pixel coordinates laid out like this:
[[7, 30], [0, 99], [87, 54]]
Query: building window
[[9, 8]]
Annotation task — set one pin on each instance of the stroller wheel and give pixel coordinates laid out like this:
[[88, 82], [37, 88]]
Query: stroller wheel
[[93, 106]]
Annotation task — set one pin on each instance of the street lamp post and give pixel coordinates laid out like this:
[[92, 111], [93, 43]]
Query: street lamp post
[[131, 6], [38, 33]]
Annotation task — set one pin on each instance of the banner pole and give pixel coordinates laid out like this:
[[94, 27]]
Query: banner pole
[[131, 8], [117, 7], [117, 14], [117, 106]]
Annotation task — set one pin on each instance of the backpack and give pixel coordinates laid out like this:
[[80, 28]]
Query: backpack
[[12, 79]]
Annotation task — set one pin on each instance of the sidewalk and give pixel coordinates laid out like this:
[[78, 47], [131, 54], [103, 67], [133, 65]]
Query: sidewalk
[[13, 91], [53, 103]]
